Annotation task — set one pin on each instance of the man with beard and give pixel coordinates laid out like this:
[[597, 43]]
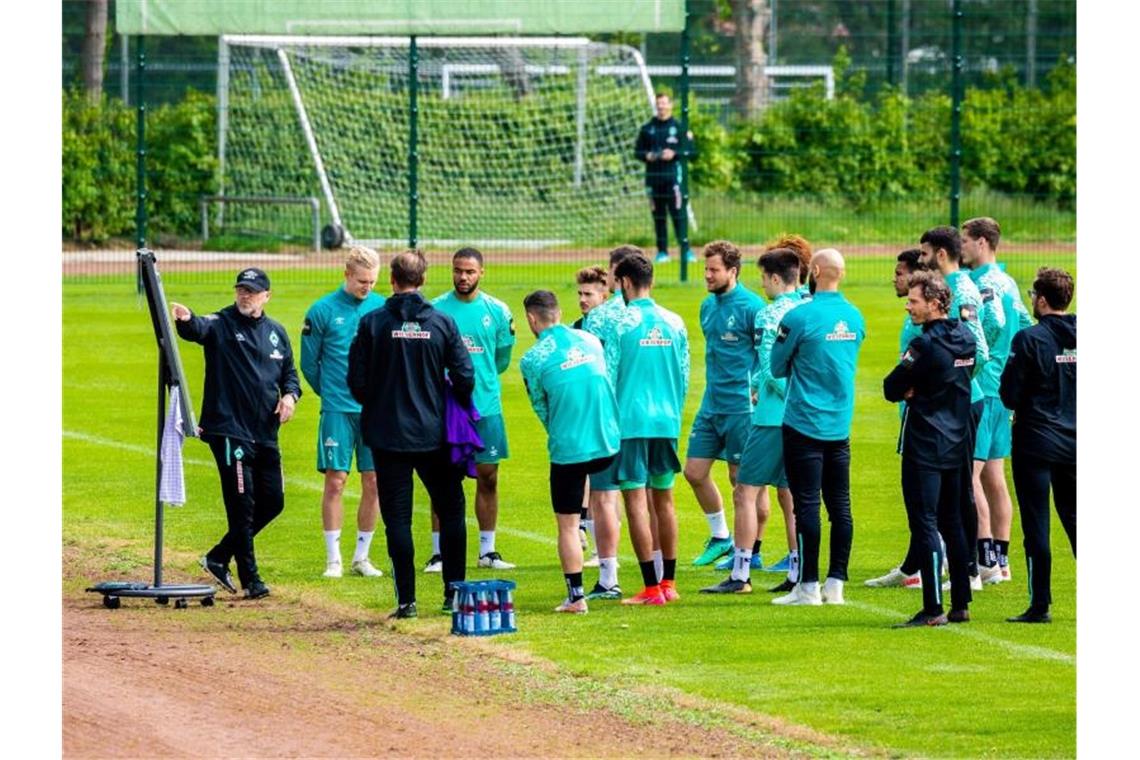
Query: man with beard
[[723, 420], [593, 290], [488, 331], [1039, 384], [933, 377], [251, 388]]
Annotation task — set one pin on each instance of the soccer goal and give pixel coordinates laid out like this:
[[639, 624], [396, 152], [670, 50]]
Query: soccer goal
[[521, 142]]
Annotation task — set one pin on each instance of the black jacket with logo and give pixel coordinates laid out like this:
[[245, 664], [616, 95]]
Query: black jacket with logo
[[249, 366], [396, 371], [937, 366], [654, 137], [1039, 383]]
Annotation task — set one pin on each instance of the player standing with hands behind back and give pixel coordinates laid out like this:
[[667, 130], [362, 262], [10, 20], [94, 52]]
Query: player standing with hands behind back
[[660, 146]]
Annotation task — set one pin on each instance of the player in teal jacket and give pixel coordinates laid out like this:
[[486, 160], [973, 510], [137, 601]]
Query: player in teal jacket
[[762, 463], [817, 345], [647, 356], [721, 426], [942, 252], [570, 391], [1004, 316], [328, 330], [488, 331]]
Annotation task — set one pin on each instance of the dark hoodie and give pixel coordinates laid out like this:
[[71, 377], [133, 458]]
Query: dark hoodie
[[937, 366], [1039, 384], [396, 370]]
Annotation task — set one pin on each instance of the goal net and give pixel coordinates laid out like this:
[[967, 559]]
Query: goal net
[[521, 142]]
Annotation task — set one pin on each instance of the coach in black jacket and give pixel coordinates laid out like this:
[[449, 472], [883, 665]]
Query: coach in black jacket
[[396, 370], [933, 377], [251, 387], [1039, 383]]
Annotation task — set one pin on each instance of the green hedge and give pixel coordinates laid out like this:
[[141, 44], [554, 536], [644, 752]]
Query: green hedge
[[1014, 140], [99, 166]]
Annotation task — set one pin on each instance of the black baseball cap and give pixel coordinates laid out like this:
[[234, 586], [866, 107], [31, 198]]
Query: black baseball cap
[[254, 279]]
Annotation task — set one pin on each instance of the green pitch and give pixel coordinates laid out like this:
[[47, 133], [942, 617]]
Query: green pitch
[[985, 689]]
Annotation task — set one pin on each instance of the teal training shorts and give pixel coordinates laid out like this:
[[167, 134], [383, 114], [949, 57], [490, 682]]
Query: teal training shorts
[[719, 436], [648, 462], [494, 436], [763, 460], [338, 436], [994, 432]]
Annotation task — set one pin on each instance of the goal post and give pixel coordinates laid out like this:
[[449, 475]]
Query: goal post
[[522, 141]]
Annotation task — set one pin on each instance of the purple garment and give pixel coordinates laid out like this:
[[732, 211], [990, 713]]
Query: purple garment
[[463, 440]]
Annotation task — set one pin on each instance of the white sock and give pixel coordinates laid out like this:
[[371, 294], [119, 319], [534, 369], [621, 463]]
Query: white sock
[[741, 564], [363, 544], [718, 528], [794, 567], [607, 571], [486, 542], [659, 564], [332, 546], [435, 543]]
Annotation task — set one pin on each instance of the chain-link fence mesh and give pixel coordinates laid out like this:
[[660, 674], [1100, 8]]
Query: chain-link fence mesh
[[827, 119]]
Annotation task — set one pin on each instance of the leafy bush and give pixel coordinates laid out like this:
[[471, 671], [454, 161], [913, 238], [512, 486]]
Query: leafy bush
[[99, 161]]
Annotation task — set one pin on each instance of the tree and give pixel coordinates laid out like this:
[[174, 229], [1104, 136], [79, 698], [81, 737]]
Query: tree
[[749, 17], [94, 45]]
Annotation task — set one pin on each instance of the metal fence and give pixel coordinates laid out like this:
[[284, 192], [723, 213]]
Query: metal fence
[[876, 120]]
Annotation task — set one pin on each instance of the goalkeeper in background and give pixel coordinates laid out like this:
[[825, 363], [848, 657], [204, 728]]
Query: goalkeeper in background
[[660, 146]]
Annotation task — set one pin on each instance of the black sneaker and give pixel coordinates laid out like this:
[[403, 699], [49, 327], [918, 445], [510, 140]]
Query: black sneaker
[[404, 611], [434, 564], [601, 592], [448, 603], [729, 586], [784, 587], [220, 572], [923, 620], [959, 616], [1031, 615], [256, 590]]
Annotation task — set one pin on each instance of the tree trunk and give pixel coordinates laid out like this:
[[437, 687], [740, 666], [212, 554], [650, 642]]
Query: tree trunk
[[751, 81], [94, 45]]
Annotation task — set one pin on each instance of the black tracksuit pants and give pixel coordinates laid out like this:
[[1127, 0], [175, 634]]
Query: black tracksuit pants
[[253, 492], [1032, 478], [666, 200], [934, 505], [813, 466], [444, 484]]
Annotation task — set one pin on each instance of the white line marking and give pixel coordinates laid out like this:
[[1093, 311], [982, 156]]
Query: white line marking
[[309, 484], [1023, 650]]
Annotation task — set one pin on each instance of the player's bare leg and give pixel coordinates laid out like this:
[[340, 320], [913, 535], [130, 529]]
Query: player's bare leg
[[367, 514], [698, 471], [570, 556], [1001, 509], [487, 515], [664, 514], [607, 532], [332, 518], [637, 519], [988, 568]]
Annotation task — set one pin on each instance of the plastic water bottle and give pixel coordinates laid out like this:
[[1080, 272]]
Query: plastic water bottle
[[483, 609], [508, 609], [496, 615], [468, 611]]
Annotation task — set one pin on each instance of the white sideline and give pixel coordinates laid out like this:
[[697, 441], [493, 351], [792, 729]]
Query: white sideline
[[309, 484], [1027, 651]]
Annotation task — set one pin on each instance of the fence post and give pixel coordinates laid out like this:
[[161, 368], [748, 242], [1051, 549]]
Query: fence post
[[413, 140], [956, 113], [683, 243], [140, 146]]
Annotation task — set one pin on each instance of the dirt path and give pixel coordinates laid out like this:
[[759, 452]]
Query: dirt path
[[295, 677]]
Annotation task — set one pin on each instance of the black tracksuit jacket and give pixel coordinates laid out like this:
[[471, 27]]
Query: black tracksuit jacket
[[396, 369], [249, 366], [1039, 383], [937, 365], [654, 137]]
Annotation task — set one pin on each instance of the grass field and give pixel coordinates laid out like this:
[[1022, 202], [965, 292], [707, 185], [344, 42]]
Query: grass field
[[985, 689]]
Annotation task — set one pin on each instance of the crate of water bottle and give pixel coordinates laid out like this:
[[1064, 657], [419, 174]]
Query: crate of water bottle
[[483, 608]]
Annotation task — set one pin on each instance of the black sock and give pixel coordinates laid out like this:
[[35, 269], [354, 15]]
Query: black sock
[[1002, 552], [582, 516], [755, 548], [648, 573], [668, 569], [986, 552], [574, 590]]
